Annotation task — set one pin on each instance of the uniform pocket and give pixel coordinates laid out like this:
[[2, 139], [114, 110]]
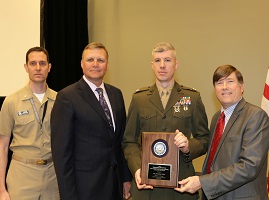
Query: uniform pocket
[[24, 125], [182, 114], [148, 119], [23, 120]]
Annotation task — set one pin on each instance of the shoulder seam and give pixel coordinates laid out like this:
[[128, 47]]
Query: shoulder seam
[[142, 89], [188, 88]]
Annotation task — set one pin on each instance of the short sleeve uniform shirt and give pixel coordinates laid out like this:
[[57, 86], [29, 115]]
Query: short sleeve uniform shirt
[[17, 117]]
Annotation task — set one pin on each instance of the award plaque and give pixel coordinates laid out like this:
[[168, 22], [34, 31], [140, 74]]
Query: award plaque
[[159, 159]]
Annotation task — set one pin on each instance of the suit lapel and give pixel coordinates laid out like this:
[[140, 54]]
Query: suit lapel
[[232, 119], [86, 93], [228, 126]]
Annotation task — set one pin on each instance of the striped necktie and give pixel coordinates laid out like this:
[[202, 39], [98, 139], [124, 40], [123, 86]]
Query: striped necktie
[[104, 105]]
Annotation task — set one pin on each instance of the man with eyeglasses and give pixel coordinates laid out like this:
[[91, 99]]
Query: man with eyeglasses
[[26, 115]]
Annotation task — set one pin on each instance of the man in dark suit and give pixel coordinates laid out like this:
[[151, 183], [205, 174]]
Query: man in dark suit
[[238, 168], [86, 138], [179, 109]]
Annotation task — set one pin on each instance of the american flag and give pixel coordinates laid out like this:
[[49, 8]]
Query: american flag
[[265, 106]]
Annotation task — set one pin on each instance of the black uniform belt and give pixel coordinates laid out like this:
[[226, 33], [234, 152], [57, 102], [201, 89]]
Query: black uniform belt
[[32, 161]]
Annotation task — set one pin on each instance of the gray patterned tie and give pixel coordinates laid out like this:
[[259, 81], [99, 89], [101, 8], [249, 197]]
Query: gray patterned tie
[[104, 106]]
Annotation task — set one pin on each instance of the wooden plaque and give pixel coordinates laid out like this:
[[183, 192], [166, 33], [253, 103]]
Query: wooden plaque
[[159, 159]]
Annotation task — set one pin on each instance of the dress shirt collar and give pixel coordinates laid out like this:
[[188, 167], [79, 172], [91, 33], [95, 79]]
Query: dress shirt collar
[[93, 86], [160, 88], [229, 111]]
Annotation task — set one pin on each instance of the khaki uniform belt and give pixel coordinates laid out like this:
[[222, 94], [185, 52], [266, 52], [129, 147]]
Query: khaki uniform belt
[[32, 161]]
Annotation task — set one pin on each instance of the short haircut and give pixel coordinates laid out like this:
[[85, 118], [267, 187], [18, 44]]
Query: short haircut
[[163, 46], [39, 49], [95, 45], [224, 71]]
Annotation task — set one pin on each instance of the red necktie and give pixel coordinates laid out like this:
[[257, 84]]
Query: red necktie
[[215, 142]]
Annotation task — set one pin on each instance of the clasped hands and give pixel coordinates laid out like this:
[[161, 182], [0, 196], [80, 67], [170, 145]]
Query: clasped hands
[[191, 184]]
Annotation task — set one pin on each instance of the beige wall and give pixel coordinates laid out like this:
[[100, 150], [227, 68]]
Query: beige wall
[[205, 33], [19, 22]]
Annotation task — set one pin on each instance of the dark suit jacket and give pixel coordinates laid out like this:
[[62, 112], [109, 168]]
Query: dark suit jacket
[[146, 114], [239, 166], [87, 153]]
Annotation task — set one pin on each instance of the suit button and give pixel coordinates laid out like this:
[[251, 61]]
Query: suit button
[[113, 166], [164, 116], [163, 128]]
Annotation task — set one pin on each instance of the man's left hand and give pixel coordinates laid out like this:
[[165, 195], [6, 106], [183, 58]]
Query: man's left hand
[[191, 184], [182, 142]]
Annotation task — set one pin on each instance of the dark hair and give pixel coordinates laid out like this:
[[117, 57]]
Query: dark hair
[[224, 71], [40, 49], [95, 45]]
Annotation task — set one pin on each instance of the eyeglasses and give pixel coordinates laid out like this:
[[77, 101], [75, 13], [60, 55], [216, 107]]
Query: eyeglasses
[[41, 63]]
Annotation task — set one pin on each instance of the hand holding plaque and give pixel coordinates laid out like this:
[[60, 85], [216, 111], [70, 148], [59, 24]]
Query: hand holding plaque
[[159, 159]]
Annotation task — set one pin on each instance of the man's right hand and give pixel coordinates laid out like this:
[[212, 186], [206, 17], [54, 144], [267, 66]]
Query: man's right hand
[[4, 145], [139, 185]]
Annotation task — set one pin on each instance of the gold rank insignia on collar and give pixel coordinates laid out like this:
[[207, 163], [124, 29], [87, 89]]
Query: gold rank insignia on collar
[[183, 101]]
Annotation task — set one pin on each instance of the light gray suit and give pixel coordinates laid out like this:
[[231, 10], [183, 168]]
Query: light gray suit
[[238, 170]]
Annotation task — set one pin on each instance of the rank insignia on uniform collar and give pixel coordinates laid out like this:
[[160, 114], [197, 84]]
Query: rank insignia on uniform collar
[[185, 102]]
